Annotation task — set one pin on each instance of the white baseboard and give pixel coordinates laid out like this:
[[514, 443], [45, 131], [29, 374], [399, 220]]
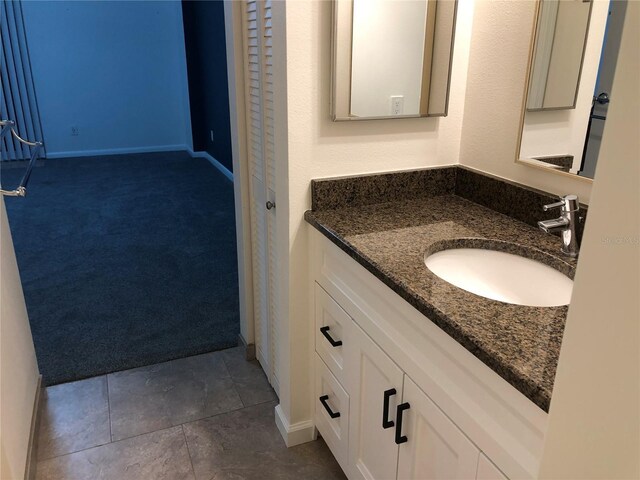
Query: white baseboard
[[119, 151], [296, 434], [225, 171]]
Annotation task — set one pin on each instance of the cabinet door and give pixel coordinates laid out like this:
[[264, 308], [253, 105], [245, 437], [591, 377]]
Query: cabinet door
[[373, 453], [487, 470], [435, 449]]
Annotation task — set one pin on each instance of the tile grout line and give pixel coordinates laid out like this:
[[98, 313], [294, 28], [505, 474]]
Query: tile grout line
[[158, 430], [75, 451], [230, 376], [193, 421], [109, 443], [235, 384], [41, 460], [225, 362], [181, 425], [109, 409], [186, 443], [233, 380]]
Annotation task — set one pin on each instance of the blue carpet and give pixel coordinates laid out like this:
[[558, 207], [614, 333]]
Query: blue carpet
[[125, 261]]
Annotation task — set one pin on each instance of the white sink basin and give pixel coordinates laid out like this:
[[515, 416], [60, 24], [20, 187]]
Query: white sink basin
[[502, 276]]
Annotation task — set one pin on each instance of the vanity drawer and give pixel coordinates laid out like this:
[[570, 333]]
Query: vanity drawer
[[331, 412], [332, 326]]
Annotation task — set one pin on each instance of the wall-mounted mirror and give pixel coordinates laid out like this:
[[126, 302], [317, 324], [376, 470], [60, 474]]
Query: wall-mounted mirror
[[572, 60], [391, 58]]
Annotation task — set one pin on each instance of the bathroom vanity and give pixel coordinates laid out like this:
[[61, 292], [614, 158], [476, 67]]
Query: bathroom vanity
[[415, 377]]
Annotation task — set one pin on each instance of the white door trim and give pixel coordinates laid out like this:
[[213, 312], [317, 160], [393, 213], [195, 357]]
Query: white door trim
[[235, 75]]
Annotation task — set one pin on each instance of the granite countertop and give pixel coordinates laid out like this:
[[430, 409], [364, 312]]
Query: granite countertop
[[520, 343]]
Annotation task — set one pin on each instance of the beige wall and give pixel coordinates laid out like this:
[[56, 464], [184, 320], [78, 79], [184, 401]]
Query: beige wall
[[317, 147], [18, 367], [495, 90], [594, 420]]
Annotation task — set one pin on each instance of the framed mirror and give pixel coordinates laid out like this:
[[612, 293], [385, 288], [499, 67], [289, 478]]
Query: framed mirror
[[391, 58], [571, 64]]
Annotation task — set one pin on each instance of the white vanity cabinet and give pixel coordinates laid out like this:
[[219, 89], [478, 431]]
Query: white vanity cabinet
[[375, 383], [387, 428], [434, 447], [380, 363], [395, 430]]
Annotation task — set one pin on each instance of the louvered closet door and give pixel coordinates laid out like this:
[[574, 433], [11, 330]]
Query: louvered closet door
[[260, 134]]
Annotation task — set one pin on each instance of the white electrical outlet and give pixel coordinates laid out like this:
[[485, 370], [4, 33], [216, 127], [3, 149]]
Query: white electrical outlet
[[75, 131], [211, 134], [397, 104]]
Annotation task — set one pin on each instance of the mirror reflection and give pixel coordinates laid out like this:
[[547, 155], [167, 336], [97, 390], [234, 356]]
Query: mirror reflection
[[392, 58], [557, 60], [574, 53]]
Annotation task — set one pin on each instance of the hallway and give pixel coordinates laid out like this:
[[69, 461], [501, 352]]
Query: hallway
[[125, 260]]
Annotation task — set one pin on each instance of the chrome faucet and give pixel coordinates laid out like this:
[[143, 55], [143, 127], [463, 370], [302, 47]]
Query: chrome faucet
[[565, 223]]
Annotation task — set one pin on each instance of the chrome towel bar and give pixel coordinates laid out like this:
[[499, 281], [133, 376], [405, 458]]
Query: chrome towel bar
[[7, 126]]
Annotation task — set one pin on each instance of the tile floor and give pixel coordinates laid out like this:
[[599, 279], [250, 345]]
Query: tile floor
[[205, 417]]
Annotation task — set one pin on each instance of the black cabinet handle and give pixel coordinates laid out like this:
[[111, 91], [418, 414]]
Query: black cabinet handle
[[325, 332], [323, 400], [386, 423], [399, 437]]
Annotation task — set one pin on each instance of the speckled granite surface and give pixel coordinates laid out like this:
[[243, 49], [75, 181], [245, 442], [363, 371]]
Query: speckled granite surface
[[520, 343], [564, 162], [515, 200], [376, 188], [518, 201]]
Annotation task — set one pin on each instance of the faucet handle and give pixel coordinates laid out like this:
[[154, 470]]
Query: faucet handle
[[569, 203], [553, 205]]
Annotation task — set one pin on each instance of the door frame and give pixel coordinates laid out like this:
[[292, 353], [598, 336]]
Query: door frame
[[241, 176]]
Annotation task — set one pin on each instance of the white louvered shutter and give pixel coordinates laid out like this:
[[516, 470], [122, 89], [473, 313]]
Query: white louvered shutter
[[260, 135]]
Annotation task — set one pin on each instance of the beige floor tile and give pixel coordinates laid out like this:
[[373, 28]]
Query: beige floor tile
[[248, 377], [159, 455], [150, 398], [246, 445], [75, 416]]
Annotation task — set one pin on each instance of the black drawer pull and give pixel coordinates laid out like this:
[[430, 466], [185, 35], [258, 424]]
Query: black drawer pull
[[386, 423], [325, 332], [399, 437], [323, 400]]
